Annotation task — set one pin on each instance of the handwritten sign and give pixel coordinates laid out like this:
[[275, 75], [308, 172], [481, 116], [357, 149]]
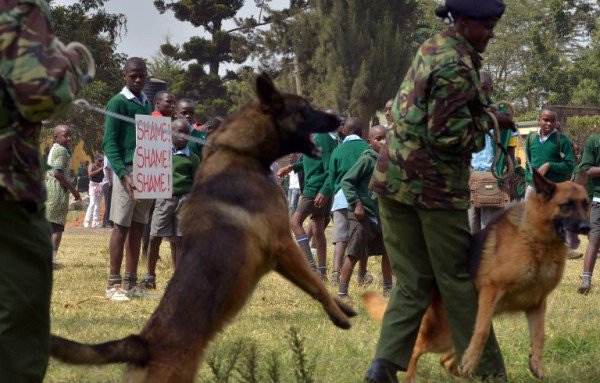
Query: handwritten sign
[[152, 160]]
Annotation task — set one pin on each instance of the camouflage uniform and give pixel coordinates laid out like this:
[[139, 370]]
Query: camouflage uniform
[[36, 80], [421, 178]]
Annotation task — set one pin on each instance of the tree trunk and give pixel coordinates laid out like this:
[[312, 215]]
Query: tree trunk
[[214, 62], [297, 75], [365, 115]]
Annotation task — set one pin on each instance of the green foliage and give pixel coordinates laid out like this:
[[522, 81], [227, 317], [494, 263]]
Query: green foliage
[[207, 88], [365, 48], [167, 68], [88, 23], [580, 128], [533, 57], [241, 361]]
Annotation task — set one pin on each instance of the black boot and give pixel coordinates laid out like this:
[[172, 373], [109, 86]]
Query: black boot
[[382, 371]]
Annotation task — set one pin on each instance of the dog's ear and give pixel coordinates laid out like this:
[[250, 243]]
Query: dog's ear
[[543, 185], [270, 98], [582, 177]]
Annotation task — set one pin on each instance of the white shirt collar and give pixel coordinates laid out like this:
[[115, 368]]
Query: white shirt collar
[[352, 137], [185, 151], [130, 96]]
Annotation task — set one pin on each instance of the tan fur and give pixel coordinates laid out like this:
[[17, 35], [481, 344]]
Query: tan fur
[[522, 261], [235, 230]]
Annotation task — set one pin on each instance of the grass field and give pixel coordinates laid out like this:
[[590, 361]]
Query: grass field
[[263, 327]]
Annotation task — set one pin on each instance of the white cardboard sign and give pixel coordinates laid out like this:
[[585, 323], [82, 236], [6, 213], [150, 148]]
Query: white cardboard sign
[[152, 160]]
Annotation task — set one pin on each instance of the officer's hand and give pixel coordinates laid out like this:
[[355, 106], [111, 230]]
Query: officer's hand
[[359, 211], [320, 200], [129, 186], [284, 171], [544, 168]]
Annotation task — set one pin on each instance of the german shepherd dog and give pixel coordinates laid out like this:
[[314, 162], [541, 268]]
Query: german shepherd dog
[[515, 263], [235, 230]]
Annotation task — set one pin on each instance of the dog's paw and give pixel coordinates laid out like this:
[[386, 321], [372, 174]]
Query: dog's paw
[[469, 363], [346, 309], [536, 366]]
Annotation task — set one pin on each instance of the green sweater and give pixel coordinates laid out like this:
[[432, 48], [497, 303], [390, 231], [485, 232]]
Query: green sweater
[[591, 158], [316, 170], [355, 183], [184, 172], [119, 136], [342, 159], [195, 147], [561, 167]]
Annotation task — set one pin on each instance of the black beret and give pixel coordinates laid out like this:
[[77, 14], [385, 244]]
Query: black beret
[[477, 9]]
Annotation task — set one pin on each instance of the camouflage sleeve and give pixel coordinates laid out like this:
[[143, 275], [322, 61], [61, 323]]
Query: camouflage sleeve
[[455, 114], [38, 76]]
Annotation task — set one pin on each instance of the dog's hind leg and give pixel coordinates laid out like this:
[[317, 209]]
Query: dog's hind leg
[[535, 320], [488, 298], [292, 265]]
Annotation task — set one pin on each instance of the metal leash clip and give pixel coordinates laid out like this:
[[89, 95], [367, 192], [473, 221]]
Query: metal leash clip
[[78, 47]]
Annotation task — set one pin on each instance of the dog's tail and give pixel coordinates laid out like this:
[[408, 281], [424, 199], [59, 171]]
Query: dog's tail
[[132, 349], [375, 305]]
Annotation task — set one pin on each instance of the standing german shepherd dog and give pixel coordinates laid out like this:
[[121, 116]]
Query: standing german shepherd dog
[[515, 263], [235, 230]]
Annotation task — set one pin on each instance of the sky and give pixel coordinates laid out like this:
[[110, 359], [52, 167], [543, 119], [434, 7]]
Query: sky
[[147, 28]]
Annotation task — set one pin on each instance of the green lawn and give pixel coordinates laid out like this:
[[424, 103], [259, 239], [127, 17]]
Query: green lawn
[[261, 333]]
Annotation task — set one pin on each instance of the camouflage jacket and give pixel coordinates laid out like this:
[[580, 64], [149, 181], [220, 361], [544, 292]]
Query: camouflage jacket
[[439, 121], [36, 80]]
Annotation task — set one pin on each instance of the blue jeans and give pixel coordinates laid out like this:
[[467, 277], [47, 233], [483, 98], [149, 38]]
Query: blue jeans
[[293, 196]]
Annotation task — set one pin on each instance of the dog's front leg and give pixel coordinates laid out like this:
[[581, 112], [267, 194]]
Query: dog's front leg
[[535, 320], [488, 298], [292, 265]]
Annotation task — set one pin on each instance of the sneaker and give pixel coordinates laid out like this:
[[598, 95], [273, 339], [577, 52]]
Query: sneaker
[[366, 280], [95, 224], [574, 255], [345, 298], [585, 287], [149, 282], [138, 291], [86, 224], [335, 279], [116, 293]]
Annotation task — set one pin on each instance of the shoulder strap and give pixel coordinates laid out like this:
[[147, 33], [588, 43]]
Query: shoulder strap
[[560, 152]]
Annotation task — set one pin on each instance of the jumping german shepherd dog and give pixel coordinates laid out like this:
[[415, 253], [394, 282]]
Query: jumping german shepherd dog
[[235, 230], [515, 263]]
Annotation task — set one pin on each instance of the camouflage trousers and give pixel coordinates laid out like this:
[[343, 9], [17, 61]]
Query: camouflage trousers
[[429, 247], [25, 288]]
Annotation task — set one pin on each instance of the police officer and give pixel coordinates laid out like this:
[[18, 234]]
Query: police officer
[[37, 78], [421, 179]]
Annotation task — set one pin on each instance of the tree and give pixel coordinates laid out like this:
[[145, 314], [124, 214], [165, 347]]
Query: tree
[[169, 69], [88, 23], [364, 48], [223, 46]]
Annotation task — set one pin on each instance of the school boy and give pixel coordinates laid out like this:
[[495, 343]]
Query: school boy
[[342, 159], [167, 212], [549, 151], [590, 162], [164, 104], [128, 214], [365, 237], [184, 108]]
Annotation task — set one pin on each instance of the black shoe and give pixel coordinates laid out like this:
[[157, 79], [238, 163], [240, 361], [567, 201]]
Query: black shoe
[[382, 371]]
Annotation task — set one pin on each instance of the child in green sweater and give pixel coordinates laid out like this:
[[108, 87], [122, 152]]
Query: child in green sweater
[[128, 214], [342, 159], [365, 229], [167, 212], [549, 151]]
